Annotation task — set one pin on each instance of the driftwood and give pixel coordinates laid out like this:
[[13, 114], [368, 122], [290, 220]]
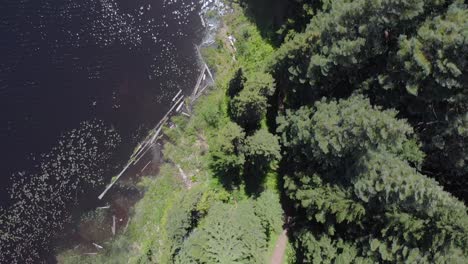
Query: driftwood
[[184, 176], [97, 246], [149, 162], [197, 85], [113, 225], [177, 95], [209, 72], [148, 143], [114, 181], [179, 107]]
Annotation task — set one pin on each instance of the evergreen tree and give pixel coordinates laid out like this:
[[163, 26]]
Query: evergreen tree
[[248, 108], [407, 55], [267, 208], [335, 130], [236, 84], [248, 105], [347, 42], [429, 75], [354, 182], [226, 159], [229, 234], [260, 151], [179, 221]]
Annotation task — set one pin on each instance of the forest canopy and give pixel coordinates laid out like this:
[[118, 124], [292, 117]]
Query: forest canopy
[[372, 115]]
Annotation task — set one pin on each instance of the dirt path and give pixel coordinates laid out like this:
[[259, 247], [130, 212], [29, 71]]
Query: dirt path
[[280, 248]]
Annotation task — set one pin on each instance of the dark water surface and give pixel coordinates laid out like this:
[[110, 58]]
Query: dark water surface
[[81, 82]]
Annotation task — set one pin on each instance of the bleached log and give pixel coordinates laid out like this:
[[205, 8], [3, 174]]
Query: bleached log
[[113, 225], [180, 106], [195, 90], [159, 126], [173, 99], [97, 246], [209, 72], [142, 154], [113, 182], [149, 162], [184, 176]]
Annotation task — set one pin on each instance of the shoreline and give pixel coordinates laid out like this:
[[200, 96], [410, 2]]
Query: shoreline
[[177, 201], [149, 152]]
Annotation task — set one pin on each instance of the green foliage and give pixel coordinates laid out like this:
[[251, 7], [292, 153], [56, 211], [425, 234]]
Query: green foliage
[[363, 186], [248, 98], [236, 84], [431, 63], [248, 108], [430, 68], [334, 130], [406, 55], [339, 43], [324, 203], [267, 208], [228, 234], [261, 149], [180, 219], [323, 249], [226, 159], [210, 112], [262, 82], [252, 49]]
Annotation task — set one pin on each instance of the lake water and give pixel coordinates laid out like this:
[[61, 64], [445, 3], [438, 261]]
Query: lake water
[[81, 83]]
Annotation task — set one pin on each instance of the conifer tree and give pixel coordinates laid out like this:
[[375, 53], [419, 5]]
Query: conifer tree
[[407, 55], [227, 160], [248, 108], [229, 234], [268, 209], [351, 174], [260, 150], [236, 84]]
